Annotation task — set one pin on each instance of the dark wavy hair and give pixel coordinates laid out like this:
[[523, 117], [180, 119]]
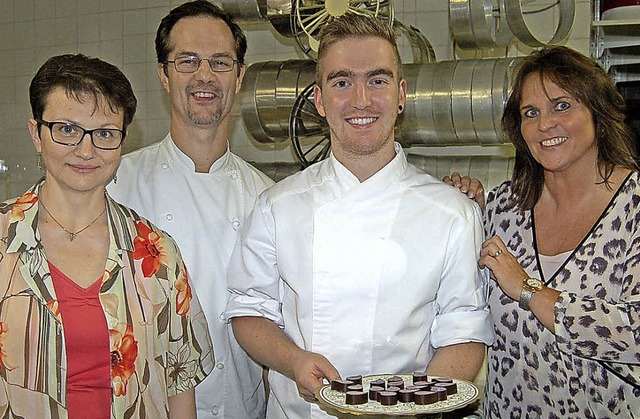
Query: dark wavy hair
[[590, 85], [82, 76], [197, 8]]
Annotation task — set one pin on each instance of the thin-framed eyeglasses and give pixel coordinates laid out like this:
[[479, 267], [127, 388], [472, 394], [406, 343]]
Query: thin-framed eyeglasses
[[191, 63], [69, 134]]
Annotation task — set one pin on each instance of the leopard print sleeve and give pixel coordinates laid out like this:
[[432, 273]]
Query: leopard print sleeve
[[600, 319], [602, 331]]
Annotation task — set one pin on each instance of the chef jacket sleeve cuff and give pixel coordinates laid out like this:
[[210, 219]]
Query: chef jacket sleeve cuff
[[248, 305], [461, 327]]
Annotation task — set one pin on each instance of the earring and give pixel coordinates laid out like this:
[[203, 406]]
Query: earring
[[39, 162]]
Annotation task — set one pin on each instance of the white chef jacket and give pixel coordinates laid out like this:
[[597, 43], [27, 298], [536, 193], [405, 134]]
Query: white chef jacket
[[374, 275], [204, 213]]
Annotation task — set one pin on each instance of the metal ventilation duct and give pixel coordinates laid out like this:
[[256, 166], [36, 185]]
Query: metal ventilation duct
[[277, 12], [247, 10], [268, 92], [448, 102]]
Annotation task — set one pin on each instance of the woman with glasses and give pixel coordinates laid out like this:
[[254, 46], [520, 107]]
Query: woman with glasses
[[97, 317]]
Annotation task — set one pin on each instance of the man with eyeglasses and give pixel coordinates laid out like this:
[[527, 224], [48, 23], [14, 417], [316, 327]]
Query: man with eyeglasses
[[194, 188]]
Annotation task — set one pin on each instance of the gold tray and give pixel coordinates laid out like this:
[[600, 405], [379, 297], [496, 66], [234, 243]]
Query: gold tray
[[467, 394]]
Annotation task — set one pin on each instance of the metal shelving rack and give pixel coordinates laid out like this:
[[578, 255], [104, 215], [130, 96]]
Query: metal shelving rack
[[615, 44]]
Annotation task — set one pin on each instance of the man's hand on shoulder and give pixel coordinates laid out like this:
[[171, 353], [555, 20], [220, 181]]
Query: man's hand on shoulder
[[471, 187]]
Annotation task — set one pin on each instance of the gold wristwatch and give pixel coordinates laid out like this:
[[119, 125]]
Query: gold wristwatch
[[529, 287]]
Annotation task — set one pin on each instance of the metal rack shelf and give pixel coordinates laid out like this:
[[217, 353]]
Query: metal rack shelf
[[615, 44]]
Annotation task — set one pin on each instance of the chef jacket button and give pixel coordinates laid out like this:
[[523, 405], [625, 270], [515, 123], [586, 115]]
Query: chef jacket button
[[164, 166], [215, 411], [221, 316], [219, 365], [236, 224], [169, 217], [234, 176]]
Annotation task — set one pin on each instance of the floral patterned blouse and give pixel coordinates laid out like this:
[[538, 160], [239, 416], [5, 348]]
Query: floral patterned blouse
[[590, 368], [159, 340]]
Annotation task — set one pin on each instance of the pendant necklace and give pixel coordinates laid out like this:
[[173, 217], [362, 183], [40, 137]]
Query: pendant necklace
[[71, 234]]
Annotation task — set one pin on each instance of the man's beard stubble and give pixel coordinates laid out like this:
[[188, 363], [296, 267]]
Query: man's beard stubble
[[207, 118]]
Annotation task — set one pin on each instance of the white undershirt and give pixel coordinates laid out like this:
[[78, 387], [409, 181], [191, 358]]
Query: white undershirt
[[550, 264]]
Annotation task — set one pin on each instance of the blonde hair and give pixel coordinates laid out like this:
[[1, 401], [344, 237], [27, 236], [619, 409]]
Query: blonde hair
[[351, 25]]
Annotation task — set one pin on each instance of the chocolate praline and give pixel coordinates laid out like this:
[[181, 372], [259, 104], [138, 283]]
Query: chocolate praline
[[398, 384], [356, 379], [373, 392], [378, 383], [340, 385], [425, 397], [420, 376], [355, 387], [405, 395], [388, 398], [451, 388], [441, 392], [423, 385], [356, 397]]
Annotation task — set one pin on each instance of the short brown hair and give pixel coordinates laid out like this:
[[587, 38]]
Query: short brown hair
[[590, 85], [351, 25], [192, 9], [80, 75]]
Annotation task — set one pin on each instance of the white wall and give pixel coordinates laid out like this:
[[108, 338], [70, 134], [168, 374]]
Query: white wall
[[122, 32]]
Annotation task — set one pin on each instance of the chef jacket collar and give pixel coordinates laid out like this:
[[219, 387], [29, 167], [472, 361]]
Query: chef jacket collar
[[389, 174], [181, 158]]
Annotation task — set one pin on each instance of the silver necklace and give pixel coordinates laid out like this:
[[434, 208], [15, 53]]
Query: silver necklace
[[71, 234]]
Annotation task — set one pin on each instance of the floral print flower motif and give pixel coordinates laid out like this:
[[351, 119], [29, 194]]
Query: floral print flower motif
[[149, 246], [124, 351], [4, 329], [183, 296], [22, 205], [181, 369]]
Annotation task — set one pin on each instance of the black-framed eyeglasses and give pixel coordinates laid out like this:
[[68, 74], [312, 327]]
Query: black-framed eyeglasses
[[69, 134], [191, 63]]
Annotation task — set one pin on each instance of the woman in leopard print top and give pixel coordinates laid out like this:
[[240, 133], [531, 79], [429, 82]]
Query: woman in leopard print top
[[568, 341]]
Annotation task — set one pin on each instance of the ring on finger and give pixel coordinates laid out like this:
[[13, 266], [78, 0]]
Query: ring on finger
[[496, 254]]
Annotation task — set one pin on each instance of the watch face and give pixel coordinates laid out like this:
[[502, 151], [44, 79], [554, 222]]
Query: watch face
[[534, 283]]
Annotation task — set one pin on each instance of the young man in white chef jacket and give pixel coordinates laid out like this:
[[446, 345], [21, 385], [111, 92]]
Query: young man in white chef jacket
[[361, 264], [193, 187]]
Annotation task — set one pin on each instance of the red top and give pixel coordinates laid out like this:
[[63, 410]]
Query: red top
[[86, 337]]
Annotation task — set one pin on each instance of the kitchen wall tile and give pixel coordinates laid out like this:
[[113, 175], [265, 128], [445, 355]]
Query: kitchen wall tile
[[6, 11], [23, 10]]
